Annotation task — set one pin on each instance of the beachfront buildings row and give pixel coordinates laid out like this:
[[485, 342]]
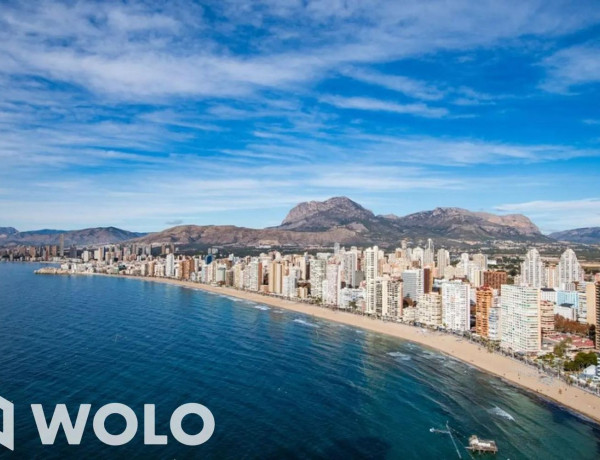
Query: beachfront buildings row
[[412, 285]]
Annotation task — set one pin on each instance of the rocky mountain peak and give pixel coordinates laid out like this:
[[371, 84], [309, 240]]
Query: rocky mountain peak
[[318, 215]]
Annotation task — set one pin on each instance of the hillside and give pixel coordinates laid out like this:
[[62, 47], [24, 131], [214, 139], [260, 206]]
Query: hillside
[[342, 220], [588, 235], [87, 236]]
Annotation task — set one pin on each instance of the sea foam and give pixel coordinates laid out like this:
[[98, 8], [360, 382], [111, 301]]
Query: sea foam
[[305, 323], [501, 413]]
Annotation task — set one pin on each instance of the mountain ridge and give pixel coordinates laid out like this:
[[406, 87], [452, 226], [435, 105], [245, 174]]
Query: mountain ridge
[[584, 235], [339, 219], [85, 236], [314, 223]]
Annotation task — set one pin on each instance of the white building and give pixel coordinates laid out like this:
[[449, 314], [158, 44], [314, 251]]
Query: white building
[[532, 270], [429, 309], [331, 290], [520, 328], [388, 297], [317, 276], [443, 261], [170, 265], [569, 269], [371, 269], [456, 305]]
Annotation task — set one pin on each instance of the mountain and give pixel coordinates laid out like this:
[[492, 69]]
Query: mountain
[[588, 235], [7, 232], [344, 221], [323, 215], [87, 236], [457, 223]]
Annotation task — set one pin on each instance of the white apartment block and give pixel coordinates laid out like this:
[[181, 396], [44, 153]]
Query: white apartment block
[[520, 319]]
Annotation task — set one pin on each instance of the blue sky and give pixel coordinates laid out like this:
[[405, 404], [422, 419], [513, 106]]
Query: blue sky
[[147, 115]]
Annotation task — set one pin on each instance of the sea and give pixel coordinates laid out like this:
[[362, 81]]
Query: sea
[[279, 384]]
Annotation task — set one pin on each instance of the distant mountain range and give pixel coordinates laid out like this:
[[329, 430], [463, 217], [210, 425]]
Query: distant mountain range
[[322, 223], [87, 236], [588, 235], [342, 220]]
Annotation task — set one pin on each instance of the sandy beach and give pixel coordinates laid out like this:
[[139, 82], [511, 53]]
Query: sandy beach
[[510, 370]]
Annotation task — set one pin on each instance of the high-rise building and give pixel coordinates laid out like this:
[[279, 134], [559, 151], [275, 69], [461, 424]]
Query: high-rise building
[[417, 255], [255, 275], [371, 269], [170, 266], [427, 280], [494, 320], [546, 317], [62, 245], [481, 261], [413, 283], [456, 305], [349, 268], [532, 270], [483, 306], [428, 254], [590, 294], [332, 292], [597, 296], [443, 261], [495, 279], [317, 276], [569, 270], [520, 325], [429, 309], [276, 277], [388, 297]]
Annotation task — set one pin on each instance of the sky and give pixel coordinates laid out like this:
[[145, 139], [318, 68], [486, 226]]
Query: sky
[[145, 115]]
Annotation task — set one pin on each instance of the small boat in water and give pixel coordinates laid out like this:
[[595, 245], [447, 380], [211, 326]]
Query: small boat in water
[[482, 445]]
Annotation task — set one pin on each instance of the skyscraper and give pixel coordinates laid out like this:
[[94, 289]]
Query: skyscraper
[[456, 305], [317, 276], [532, 270], [483, 307], [520, 325], [413, 283], [62, 245], [569, 269], [371, 272], [443, 260], [495, 279]]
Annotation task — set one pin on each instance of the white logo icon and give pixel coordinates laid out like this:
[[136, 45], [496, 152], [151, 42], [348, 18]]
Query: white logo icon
[[7, 435]]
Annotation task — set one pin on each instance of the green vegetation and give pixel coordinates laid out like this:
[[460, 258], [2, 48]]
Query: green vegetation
[[581, 361]]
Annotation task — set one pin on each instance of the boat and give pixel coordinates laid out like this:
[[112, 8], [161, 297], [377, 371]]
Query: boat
[[482, 445]]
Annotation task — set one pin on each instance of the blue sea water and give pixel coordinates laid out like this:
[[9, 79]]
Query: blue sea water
[[279, 384]]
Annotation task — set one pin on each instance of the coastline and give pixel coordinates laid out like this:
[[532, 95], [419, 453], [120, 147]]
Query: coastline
[[512, 371]]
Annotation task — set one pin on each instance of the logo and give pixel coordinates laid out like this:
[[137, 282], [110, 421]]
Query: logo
[[74, 431], [7, 435]]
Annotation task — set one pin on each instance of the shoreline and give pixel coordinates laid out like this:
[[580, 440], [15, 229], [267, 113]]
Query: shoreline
[[512, 371]]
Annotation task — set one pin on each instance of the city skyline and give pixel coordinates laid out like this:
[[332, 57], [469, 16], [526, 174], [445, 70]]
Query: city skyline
[[144, 117]]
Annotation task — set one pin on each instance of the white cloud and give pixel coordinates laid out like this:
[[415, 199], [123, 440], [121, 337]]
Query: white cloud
[[572, 67], [408, 86], [363, 103]]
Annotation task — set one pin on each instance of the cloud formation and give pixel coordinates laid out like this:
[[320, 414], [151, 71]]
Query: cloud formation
[[138, 114]]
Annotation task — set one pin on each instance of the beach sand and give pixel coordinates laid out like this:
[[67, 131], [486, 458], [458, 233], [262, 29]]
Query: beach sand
[[504, 367]]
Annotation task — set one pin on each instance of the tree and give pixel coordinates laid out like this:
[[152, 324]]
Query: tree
[[581, 361], [561, 347]]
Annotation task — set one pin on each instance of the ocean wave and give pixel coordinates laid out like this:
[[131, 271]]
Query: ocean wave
[[262, 307], [401, 356], [305, 323], [501, 413]]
